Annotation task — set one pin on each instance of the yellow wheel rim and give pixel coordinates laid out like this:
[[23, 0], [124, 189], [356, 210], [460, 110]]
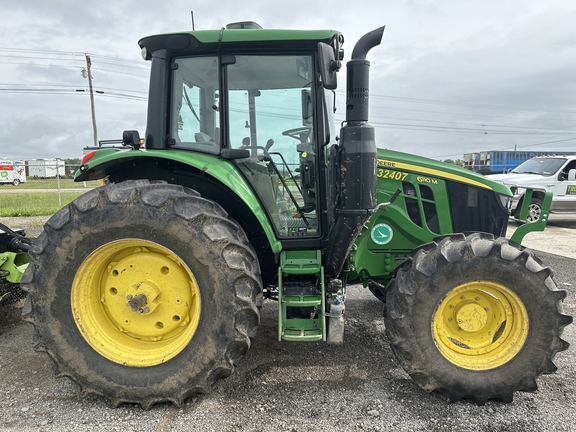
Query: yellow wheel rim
[[135, 302], [480, 325]]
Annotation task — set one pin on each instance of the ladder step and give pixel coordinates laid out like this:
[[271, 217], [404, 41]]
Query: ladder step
[[302, 300], [301, 262], [302, 335]]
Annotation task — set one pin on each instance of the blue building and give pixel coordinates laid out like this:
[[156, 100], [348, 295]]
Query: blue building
[[501, 161]]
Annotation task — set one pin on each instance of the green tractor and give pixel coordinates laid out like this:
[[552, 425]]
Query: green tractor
[[149, 288]]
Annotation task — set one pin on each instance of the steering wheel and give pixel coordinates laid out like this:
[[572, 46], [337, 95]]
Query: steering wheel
[[300, 133]]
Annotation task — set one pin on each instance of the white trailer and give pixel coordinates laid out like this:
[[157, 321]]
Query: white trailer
[[13, 172], [46, 168]]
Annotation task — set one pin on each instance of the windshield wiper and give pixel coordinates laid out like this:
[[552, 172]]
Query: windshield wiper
[[187, 99]]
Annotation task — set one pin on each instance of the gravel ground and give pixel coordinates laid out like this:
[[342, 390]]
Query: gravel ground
[[283, 386], [33, 225]]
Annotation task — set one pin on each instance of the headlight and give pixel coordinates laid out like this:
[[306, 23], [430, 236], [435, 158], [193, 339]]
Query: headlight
[[506, 201]]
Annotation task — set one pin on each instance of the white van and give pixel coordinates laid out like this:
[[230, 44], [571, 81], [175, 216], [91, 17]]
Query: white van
[[13, 172]]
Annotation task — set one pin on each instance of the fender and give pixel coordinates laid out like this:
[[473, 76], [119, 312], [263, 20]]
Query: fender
[[112, 161]]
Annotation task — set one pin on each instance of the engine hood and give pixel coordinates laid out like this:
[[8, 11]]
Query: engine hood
[[427, 166]]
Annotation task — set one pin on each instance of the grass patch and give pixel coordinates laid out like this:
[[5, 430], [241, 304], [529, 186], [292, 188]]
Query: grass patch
[[52, 183], [34, 204]]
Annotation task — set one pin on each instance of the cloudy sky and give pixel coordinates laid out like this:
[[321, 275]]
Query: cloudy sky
[[451, 76]]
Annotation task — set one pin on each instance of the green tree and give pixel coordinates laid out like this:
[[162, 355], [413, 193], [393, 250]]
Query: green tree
[[71, 166], [457, 162]]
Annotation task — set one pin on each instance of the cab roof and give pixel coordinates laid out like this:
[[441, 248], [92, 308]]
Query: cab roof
[[235, 39]]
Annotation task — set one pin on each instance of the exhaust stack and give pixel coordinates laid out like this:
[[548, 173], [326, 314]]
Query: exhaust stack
[[357, 159]]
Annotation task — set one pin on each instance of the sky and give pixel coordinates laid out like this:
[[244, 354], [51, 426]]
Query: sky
[[450, 77]]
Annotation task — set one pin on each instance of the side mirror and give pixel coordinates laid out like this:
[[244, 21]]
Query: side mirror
[[328, 66], [572, 175], [131, 138]]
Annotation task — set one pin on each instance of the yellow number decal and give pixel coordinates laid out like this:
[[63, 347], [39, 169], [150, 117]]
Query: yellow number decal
[[392, 175]]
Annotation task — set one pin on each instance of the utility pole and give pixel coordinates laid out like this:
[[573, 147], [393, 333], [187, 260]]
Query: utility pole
[[89, 75]]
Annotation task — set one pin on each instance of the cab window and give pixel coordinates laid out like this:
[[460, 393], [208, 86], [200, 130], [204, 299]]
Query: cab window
[[195, 120]]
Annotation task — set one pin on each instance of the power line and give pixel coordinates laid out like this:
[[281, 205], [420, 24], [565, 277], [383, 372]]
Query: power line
[[471, 104], [123, 61], [141, 65], [72, 53], [409, 124], [120, 72], [533, 129], [454, 103], [69, 86], [70, 91], [51, 65], [457, 113], [547, 142], [454, 129]]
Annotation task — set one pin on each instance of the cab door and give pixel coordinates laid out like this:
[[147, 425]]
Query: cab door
[[270, 113], [565, 189]]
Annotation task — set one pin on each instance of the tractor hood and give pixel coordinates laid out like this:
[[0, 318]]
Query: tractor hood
[[433, 168]]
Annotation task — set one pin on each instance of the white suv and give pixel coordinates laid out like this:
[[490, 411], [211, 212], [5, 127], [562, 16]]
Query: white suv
[[553, 173]]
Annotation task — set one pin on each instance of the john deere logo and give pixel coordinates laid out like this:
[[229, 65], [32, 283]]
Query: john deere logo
[[381, 234], [571, 190]]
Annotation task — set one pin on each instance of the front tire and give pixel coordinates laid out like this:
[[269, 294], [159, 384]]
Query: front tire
[[476, 318], [535, 210], [143, 293]]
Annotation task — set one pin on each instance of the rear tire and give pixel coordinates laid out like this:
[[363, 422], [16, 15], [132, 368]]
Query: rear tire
[[143, 293], [16, 182], [476, 318]]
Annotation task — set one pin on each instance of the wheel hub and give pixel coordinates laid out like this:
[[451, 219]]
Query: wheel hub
[[471, 317], [142, 297], [534, 212], [137, 303]]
